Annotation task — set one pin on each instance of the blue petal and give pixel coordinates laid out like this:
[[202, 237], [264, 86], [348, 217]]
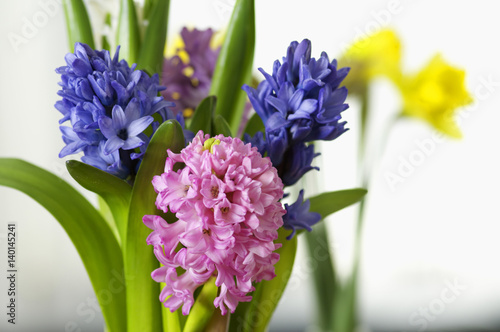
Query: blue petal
[[132, 111], [119, 118], [106, 126], [113, 144], [132, 142], [296, 99], [138, 126], [279, 104]]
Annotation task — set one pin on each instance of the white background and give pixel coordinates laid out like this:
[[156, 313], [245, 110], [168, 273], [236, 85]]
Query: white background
[[440, 225]]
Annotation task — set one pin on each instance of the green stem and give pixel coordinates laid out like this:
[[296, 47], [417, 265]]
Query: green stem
[[218, 323], [348, 314], [363, 124], [345, 317]]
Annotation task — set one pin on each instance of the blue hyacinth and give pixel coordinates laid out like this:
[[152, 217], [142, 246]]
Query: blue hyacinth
[[299, 103], [109, 106]]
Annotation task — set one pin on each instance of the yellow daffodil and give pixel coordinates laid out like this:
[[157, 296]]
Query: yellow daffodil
[[434, 94], [372, 56]]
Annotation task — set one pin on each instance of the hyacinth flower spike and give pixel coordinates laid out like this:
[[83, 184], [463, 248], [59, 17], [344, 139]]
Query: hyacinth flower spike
[[106, 101], [226, 199], [300, 102]]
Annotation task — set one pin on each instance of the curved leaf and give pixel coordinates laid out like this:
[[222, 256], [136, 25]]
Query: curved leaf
[[77, 23], [202, 118], [234, 64], [221, 126], [127, 33], [91, 235], [115, 192], [330, 202], [143, 306], [153, 45], [254, 125]]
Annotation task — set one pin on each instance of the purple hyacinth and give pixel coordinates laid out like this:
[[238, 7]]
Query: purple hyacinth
[[109, 106], [189, 82], [298, 216], [299, 103]]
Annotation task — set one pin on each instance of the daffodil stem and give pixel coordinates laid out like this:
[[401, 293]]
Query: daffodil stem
[[363, 127], [347, 316]]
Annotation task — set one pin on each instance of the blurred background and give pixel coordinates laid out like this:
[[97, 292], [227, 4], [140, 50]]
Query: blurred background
[[430, 242]]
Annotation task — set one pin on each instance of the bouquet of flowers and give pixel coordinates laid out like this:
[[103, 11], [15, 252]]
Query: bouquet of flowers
[[190, 182], [191, 158]]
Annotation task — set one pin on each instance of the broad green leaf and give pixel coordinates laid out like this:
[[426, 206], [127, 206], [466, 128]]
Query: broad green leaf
[[330, 202], [318, 249], [77, 23], [127, 33], [254, 316], [203, 308], [234, 64], [202, 117], [221, 126], [254, 125], [153, 45], [91, 235], [143, 306], [105, 212], [115, 192]]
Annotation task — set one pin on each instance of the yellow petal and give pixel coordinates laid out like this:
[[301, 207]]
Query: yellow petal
[[434, 94], [376, 55]]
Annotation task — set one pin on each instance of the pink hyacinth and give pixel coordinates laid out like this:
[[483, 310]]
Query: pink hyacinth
[[226, 199]]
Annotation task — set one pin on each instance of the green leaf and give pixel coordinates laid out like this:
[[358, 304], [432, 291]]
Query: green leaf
[[254, 125], [146, 8], [203, 308], [330, 202], [317, 245], [77, 23], [91, 235], [234, 64], [202, 117], [318, 249], [127, 33], [221, 126], [171, 320], [115, 192], [153, 45], [104, 39], [254, 316], [143, 306], [345, 316]]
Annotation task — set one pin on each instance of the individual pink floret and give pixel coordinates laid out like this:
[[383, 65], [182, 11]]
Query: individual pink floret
[[226, 199]]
